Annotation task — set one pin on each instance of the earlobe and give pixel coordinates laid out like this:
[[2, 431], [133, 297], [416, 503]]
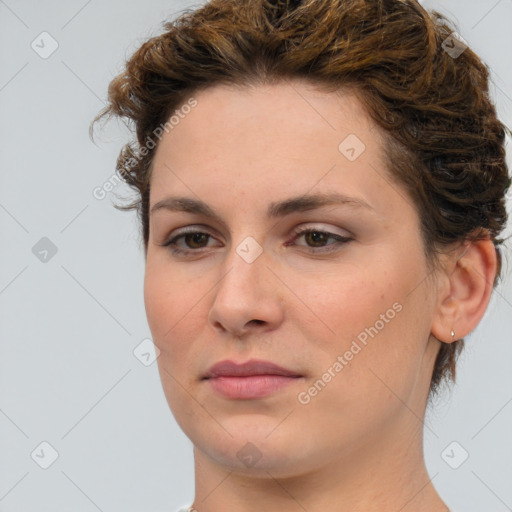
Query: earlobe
[[463, 302]]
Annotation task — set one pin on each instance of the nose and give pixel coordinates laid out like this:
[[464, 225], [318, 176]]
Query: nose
[[248, 297]]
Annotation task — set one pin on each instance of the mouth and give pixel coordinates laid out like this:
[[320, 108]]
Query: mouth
[[250, 380]]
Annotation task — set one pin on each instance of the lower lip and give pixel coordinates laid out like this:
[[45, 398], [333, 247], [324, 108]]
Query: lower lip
[[254, 386]]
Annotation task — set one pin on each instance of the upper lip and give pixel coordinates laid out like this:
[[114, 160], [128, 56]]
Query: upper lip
[[253, 367]]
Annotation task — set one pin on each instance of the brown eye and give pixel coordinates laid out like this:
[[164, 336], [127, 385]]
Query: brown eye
[[189, 242], [316, 238], [195, 240]]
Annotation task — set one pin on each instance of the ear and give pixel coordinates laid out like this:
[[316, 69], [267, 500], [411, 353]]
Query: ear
[[464, 290]]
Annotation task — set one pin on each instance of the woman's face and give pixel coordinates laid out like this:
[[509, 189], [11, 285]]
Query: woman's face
[[346, 308]]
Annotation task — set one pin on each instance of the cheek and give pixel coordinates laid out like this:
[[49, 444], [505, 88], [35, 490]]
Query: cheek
[[168, 302], [349, 300], [172, 320], [371, 319], [157, 301], [380, 357]]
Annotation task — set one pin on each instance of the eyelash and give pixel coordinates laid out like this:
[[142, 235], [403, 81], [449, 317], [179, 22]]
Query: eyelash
[[313, 250]]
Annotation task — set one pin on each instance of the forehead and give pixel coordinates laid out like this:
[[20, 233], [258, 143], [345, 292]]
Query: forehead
[[293, 107], [253, 141]]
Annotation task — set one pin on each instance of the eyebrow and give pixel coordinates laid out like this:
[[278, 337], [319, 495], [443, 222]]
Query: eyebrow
[[277, 209]]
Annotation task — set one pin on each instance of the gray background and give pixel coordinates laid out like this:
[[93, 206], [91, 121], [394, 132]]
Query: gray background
[[69, 325]]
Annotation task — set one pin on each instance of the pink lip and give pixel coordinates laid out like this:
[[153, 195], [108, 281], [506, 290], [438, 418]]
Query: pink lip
[[252, 379]]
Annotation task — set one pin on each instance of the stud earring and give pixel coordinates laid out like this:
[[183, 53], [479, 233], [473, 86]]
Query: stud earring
[[452, 333]]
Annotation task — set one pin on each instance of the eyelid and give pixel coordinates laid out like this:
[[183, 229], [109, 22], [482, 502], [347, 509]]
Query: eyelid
[[188, 230], [198, 228], [340, 241], [322, 229]]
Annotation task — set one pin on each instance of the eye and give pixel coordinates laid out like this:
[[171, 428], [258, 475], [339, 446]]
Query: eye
[[193, 240], [317, 239]]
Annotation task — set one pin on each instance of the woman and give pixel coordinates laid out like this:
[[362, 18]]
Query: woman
[[321, 188]]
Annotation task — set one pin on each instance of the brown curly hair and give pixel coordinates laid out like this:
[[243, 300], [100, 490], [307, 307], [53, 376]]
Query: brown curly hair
[[445, 144]]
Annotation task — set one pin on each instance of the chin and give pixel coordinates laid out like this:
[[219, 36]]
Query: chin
[[255, 448]]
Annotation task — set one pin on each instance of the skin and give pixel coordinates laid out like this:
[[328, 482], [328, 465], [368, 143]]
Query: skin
[[357, 445]]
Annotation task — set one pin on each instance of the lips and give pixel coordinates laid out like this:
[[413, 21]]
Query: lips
[[252, 380], [250, 368]]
